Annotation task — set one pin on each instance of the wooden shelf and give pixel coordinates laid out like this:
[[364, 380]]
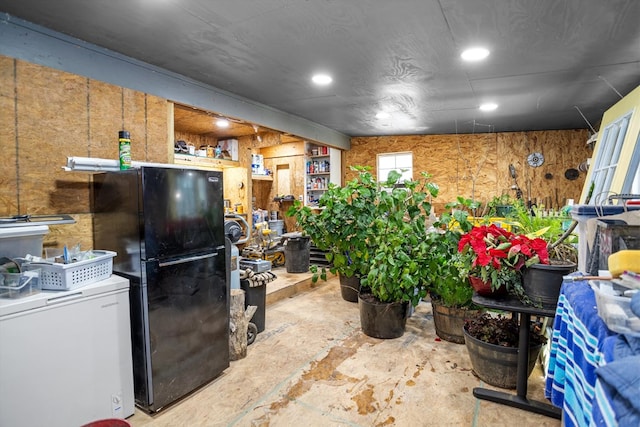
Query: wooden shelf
[[262, 177], [204, 162]]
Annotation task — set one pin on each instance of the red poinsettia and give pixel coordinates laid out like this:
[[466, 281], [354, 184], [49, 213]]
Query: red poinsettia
[[498, 255]]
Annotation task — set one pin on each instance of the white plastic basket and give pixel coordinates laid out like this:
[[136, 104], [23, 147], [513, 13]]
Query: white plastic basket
[[66, 277]]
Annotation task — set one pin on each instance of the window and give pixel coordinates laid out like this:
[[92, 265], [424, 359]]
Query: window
[[401, 162], [609, 154], [614, 167]]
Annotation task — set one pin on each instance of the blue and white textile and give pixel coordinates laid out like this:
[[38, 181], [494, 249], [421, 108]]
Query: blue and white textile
[[580, 344]]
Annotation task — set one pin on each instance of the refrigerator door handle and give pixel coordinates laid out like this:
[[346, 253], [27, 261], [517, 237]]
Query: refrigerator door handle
[[185, 260]]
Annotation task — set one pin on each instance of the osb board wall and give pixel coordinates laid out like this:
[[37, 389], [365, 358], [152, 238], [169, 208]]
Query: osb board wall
[[48, 115], [197, 140], [477, 165]]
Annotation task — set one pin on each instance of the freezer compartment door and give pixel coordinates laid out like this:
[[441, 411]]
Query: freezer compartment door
[[188, 326], [183, 211]]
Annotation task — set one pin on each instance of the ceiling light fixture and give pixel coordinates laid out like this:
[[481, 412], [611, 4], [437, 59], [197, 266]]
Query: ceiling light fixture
[[383, 115], [474, 54], [222, 123], [489, 106], [321, 79]]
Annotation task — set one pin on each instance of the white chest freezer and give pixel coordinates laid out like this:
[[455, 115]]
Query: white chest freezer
[[65, 357]]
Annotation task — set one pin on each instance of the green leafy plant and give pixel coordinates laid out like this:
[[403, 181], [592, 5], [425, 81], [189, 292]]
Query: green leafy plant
[[448, 272], [378, 230], [503, 205], [397, 239], [341, 225]]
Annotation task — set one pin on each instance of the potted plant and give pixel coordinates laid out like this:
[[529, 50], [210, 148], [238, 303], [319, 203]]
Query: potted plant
[[398, 251], [449, 287], [497, 257], [542, 281], [340, 226], [492, 345], [502, 206]]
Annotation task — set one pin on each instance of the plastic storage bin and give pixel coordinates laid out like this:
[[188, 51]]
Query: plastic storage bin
[[65, 277], [18, 285], [582, 214], [16, 242], [614, 308], [614, 236]]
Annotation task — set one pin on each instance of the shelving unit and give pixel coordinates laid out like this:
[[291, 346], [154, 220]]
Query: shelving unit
[[322, 167], [205, 162]]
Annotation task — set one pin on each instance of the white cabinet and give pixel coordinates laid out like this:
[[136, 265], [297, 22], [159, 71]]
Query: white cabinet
[[323, 166]]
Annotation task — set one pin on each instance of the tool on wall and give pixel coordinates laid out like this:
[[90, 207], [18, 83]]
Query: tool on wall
[[512, 172]]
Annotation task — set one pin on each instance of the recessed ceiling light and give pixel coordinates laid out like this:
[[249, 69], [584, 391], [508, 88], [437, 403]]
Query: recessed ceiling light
[[383, 115], [321, 79], [222, 123], [489, 106], [474, 54]]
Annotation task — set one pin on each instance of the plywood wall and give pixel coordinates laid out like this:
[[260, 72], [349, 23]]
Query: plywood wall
[[477, 166], [48, 115]]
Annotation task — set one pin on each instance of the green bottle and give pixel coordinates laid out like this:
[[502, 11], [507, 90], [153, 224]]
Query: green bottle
[[124, 146]]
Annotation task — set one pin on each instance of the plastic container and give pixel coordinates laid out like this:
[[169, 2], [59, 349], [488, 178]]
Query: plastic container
[[255, 295], [296, 254], [582, 214], [66, 277], [614, 236], [277, 226], [19, 285], [614, 308], [16, 242]]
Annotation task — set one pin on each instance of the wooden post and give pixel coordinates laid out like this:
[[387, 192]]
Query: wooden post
[[238, 325]]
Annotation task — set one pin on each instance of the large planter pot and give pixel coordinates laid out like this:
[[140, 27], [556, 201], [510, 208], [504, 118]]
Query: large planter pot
[[350, 288], [382, 319], [542, 282], [449, 321], [484, 288], [497, 365]]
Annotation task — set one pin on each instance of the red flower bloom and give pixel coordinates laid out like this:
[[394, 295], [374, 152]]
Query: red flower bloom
[[492, 249]]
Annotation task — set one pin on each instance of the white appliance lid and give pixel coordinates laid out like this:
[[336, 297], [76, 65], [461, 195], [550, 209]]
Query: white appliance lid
[[51, 298]]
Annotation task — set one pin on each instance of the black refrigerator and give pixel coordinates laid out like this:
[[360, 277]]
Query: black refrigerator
[[167, 227]]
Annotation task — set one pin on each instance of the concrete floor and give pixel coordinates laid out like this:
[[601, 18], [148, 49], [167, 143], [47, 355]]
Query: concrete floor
[[313, 366]]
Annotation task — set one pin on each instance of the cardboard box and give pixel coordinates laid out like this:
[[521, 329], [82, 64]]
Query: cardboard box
[[229, 149]]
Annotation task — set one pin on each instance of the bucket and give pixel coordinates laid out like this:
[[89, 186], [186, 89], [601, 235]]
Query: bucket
[[277, 226], [296, 254], [110, 422]]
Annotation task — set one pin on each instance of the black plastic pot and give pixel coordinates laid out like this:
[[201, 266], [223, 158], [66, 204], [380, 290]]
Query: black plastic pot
[[350, 288], [382, 319], [495, 364], [542, 282]]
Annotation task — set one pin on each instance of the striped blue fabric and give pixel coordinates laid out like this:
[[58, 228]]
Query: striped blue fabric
[[580, 343]]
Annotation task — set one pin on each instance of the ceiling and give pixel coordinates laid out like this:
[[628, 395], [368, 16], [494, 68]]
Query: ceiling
[[553, 64]]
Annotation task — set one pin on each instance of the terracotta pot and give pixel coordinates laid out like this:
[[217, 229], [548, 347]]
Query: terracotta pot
[[484, 288]]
